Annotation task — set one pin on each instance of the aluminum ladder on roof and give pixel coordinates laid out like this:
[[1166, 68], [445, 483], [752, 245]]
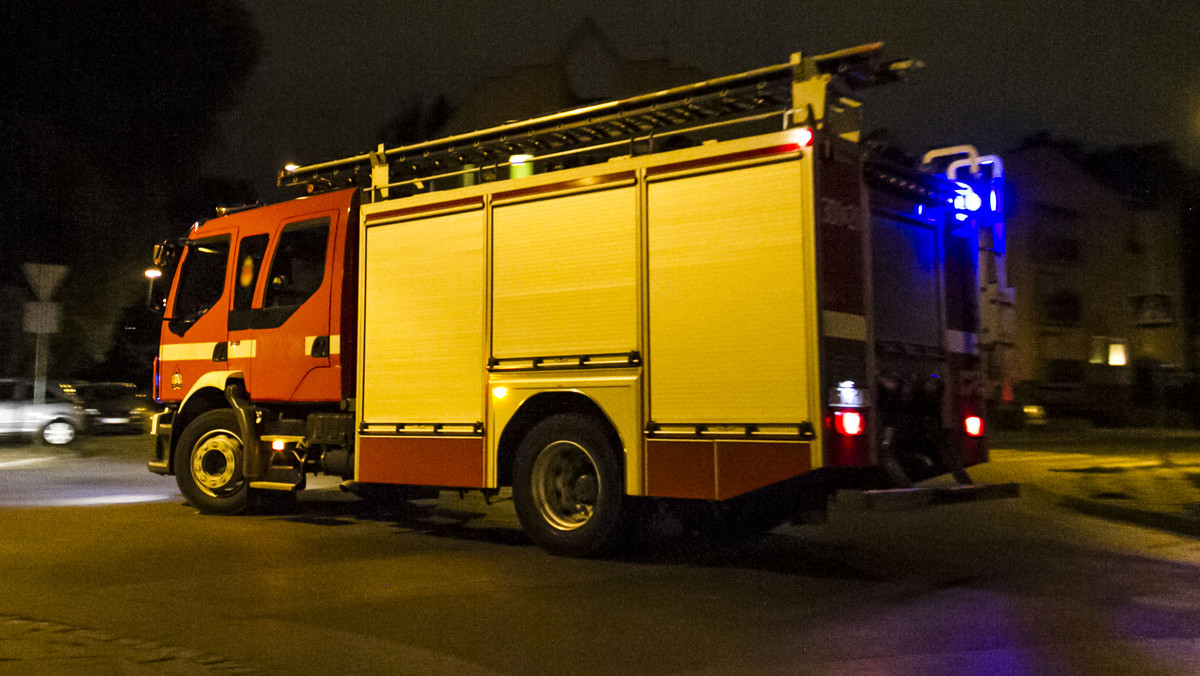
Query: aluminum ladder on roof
[[805, 91]]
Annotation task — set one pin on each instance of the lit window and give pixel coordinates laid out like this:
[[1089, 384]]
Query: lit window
[[1116, 353]]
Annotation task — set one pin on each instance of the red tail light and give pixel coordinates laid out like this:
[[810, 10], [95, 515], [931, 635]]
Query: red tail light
[[973, 426], [848, 423]]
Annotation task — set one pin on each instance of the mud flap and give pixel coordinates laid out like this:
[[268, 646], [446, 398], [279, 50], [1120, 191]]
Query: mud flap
[[253, 464]]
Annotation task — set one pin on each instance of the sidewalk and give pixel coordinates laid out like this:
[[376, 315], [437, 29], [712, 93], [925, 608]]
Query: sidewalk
[[1150, 477]]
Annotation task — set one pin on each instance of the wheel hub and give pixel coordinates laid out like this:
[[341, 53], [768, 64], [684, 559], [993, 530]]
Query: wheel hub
[[565, 485], [58, 433], [215, 462]]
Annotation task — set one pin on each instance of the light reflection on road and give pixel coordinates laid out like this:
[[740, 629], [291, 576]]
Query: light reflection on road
[[94, 500], [95, 473], [12, 464]]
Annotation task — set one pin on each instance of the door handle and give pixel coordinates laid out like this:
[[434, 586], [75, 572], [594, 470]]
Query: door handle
[[320, 347]]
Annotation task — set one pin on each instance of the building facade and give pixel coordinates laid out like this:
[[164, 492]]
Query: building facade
[[1099, 289]]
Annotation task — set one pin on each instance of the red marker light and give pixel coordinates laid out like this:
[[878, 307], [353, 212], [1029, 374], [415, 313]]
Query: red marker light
[[848, 423], [973, 425], [804, 136]]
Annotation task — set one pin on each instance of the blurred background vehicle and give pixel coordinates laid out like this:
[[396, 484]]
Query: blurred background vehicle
[[117, 408], [56, 422]]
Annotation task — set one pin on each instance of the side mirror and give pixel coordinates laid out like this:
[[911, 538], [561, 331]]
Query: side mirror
[[156, 294], [166, 256]]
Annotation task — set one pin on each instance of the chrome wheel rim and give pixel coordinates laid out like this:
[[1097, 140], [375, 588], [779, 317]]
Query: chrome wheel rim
[[58, 433], [565, 484], [215, 463]]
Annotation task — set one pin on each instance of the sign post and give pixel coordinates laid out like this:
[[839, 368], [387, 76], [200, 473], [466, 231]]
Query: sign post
[[41, 318]]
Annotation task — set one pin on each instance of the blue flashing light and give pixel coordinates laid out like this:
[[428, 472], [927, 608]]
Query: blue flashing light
[[967, 199], [995, 201], [960, 216]]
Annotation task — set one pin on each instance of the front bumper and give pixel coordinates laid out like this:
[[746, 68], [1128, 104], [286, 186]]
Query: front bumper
[[160, 429]]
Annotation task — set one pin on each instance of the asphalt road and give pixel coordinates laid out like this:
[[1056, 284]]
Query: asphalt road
[[103, 569]]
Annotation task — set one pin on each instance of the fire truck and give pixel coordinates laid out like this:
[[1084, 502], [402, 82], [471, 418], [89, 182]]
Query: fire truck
[[710, 298]]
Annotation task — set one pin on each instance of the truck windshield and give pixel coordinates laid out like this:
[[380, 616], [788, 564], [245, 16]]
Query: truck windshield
[[201, 281]]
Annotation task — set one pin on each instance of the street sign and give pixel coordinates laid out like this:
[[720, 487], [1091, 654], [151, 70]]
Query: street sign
[[41, 317], [44, 279]]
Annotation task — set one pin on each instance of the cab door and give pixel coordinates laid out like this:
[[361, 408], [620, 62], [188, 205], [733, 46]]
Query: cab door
[[196, 337], [290, 326], [247, 275]]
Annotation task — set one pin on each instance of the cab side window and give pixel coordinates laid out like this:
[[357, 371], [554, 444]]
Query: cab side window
[[298, 266], [249, 260], [201, 281], [248, 264]]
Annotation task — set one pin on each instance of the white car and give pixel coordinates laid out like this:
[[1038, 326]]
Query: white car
[[56, 422]]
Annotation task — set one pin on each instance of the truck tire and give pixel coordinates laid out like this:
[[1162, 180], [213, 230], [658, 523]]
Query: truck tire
[[208, 464], [568, 489]]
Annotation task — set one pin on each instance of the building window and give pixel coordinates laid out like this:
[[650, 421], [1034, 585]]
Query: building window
[[1062, 308], [1110, 351], [1152, 309]]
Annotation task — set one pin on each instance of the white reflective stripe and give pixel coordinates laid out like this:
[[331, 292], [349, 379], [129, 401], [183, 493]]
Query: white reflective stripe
[[187, 351], [962, 343], [335, 344], [242, 349], [843, 325]]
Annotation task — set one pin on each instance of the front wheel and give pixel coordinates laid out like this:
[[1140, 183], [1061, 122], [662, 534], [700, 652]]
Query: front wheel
[[567, 486], [57, 433], [208, 464]]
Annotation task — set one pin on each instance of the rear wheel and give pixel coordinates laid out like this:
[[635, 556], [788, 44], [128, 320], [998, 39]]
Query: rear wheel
[[208, 464], [567, 486]]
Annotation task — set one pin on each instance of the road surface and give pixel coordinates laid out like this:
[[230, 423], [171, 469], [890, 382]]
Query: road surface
[[104, 569]]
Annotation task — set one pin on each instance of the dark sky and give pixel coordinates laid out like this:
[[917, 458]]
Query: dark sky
[[1110, 72]]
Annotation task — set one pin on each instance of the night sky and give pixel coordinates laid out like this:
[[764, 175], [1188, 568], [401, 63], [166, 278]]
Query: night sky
[[331, 74], [116, 115]]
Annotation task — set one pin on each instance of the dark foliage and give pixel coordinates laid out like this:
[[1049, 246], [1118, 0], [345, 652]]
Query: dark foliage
[[106, 111]]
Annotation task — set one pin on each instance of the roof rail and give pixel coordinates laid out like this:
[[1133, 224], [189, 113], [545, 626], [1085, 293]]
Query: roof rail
[[789, 94]]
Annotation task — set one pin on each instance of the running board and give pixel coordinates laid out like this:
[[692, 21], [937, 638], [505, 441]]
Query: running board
[[276, 485], [895, 499], [280, 478]]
